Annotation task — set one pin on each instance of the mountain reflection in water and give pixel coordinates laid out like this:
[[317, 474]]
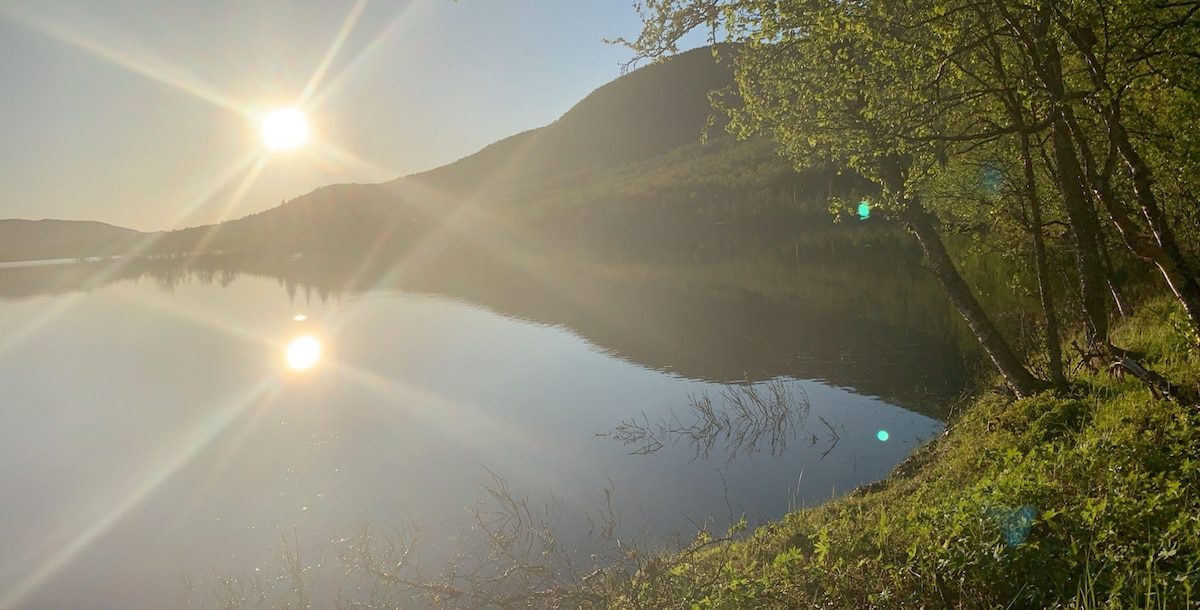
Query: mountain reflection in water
[[153, 427], [880, 327]]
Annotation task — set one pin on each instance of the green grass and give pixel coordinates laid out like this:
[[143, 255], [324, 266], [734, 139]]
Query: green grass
[[1086, 500]]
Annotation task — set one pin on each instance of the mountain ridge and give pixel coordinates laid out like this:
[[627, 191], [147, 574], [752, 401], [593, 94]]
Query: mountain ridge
[[638, 116], [22, 239], [643, 113], [628, 131]]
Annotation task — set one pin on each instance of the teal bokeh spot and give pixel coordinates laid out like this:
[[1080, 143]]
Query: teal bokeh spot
[[864, 210], [1014, 523], [992, 178], [882, 435]]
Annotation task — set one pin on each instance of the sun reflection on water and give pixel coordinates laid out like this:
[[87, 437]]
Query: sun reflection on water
[[303, 352]]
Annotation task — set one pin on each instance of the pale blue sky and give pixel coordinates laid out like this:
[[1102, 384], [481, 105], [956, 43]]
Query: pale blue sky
[[136, 112]]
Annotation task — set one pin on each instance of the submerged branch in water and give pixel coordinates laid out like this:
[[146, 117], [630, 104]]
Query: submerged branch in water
[[745, 419], [511, 558]]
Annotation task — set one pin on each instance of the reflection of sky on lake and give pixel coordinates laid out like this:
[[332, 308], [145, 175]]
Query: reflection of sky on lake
[[147, 435]]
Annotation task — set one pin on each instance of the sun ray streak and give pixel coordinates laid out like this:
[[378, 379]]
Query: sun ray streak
[[330, 155], [211, 231], [221, 463], [191, 447], [44, 318], [434, 408], [242, 164], [338, 41], [472, 220], [319, 96], [69, 301], [447, 415], [233, 329], [144, 244], [360, 270], [424, 250], [165, 73], [243, 188]]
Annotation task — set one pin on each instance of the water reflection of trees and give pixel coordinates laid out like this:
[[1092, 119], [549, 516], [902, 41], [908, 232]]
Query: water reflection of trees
[[745, 418], [736, 306]]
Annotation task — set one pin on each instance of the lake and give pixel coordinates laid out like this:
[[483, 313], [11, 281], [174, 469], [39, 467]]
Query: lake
[[154, 432]]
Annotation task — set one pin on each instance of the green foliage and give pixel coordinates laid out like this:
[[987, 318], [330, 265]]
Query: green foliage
[[995, 119]]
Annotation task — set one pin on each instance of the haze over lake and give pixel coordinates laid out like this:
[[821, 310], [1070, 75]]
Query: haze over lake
[[153, 434]]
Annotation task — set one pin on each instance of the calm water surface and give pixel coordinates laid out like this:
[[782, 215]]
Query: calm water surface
[[147, 435]]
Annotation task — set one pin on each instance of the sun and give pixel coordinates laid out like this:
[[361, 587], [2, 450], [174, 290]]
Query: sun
[[303, 352], [284, 128]]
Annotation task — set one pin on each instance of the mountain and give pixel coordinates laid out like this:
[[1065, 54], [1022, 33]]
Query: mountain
[[647, 112], [637, 117], [625, 162], [624, 168], [618, 205], [46, 239]]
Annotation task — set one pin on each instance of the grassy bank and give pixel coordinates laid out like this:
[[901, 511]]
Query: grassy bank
[[1086, 500]]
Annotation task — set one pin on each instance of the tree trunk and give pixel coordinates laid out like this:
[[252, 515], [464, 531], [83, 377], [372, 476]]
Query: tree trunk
[[1110, 276], [1172, 266], [1043, 53], [1085, 228], [1180, 275], [1022, 382], [913, 214], [1017, 114], [1053, 341]]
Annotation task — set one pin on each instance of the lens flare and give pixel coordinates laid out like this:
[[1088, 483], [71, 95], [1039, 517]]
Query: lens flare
[[303, 352], [284, 128], [882, 435]]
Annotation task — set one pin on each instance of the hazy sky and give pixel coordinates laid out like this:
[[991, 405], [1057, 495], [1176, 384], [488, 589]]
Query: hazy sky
[[142, 113]]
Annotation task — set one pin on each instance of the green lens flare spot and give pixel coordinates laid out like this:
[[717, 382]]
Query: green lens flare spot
[[864, 210], [882, 435]]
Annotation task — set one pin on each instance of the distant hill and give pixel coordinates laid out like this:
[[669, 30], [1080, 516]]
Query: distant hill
[[48, 239], [625, 167], [639, 116]]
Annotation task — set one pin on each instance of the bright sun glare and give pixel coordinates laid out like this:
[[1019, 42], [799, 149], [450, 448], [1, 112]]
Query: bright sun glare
[[303, 352], [284, 128]]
